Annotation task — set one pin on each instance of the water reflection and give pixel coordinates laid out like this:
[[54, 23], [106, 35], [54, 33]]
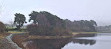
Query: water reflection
[[54, 43], [84, 41]]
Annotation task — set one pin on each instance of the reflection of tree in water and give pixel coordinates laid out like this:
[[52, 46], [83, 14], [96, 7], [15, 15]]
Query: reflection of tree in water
[[55, 43], [47, 43], [84, 41]]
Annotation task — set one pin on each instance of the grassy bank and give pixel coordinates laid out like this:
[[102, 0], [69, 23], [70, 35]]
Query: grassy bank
[[85, 32], [14, 32], [19, 38], [50, 37]]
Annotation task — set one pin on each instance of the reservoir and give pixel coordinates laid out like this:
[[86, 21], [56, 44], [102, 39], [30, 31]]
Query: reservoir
[[99, 41]]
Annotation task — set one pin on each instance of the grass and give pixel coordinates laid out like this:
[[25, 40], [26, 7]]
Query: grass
[[85, 32], [15, 32], [2, 35], [47, 37]]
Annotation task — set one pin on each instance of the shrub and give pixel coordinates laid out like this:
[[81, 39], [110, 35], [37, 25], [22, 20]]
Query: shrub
[[34, 29], [2, 27]]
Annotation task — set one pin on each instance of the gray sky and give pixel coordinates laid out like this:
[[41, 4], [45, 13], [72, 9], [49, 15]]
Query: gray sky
[[98, 10]]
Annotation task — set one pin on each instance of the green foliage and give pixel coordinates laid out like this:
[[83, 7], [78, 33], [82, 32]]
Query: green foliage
[[48, 24], [53, 20], [34, 29], [81, 26], [19, 20], [33, 16]]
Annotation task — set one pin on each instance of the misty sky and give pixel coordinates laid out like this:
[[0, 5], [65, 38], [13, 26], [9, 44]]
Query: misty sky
[[98, 10]]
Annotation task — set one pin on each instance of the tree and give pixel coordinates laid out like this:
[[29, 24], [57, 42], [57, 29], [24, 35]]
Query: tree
[[48, 24], [33, 16], [93, 23], [82, 25], [19, 20]]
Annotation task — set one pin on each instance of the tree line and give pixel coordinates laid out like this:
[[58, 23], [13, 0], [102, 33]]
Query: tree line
[[45, 23], [81, 26]]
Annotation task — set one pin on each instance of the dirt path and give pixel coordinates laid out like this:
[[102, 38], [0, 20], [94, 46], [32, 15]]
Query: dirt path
[[7, 43]]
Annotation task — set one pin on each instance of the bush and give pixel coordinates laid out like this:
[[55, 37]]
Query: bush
[[2, 27], [34, 29]]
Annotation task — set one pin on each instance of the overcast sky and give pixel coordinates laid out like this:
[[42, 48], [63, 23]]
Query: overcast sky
[[98, 10]]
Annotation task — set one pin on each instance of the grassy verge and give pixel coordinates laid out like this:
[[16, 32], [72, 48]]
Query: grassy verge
[[15, 32], [3, 35], [85, 32]]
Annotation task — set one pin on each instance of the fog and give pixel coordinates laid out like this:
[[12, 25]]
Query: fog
[[98, 10]]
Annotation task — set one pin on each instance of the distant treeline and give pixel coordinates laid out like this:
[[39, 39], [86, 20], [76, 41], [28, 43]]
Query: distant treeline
[[104, 29], [81, 26]]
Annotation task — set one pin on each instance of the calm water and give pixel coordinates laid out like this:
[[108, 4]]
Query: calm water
[[101, 41]]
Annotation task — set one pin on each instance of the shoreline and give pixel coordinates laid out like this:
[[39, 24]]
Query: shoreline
[[16, 40], [5, 42], [9, 38]]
